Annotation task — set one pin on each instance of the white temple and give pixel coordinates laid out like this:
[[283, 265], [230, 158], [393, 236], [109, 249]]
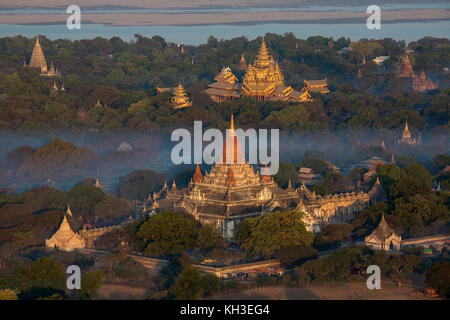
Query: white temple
[[65, 239]]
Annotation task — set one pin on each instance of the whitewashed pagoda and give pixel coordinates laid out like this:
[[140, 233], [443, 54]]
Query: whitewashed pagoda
[[383, 237], [64, 238]]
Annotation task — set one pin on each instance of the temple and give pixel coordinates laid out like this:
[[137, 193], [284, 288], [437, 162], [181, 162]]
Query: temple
[[264, 81], [64, 238], [383, 237], [38, 61], [180, 99], [242, 63], [320, 86], [232, 191], [421, 83], [225, 88], [407, 70], [407, 137]]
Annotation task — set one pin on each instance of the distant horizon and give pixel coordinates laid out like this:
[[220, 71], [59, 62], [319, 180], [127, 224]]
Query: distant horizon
[[198, 35]]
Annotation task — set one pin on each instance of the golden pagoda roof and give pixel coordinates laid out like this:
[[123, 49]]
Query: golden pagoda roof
[[180, 100], [406, 133], [263, 58], [226, 76], [37, 57]]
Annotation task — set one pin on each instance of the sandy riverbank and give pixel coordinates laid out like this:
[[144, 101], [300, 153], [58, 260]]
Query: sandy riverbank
[[164, 19]]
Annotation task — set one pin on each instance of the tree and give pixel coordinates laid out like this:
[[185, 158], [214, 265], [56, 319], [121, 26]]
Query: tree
[[188, 284], [209, 284], [389, 175], [337, 231], [112, 208], [90, 283], [319, 166], [208, 238], [407, 187], [440, 161], [293, 255], [420, 173], [83, 200], [274, 230], [168, 233], [45, 198], [438, 277], [413, 211], [140, 183], [401, 265], [285, 173], [40, 279]]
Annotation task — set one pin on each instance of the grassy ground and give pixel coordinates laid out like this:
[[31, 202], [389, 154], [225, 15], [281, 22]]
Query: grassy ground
[[332, 291], [120, 292]]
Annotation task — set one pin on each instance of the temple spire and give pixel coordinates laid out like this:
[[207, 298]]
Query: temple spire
[[242, 63], [198, 177], [37, 57], [406, 133], [289, 184], [263, 59], [68, 211], [393, 159]]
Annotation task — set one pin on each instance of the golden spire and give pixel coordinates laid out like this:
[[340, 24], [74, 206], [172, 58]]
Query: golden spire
[[406, 132], [263, 59], [68, 211], [232, 123], [198, 177], [37, 57]]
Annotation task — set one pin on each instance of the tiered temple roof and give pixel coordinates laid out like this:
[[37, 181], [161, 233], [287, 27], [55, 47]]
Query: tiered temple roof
[[180, 98], [407, 70], [38, 61], [421, 83], [264, 80], [320, 86], [226, 86], [233, 191]]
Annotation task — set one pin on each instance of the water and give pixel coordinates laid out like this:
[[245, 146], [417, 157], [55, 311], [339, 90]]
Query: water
[[195, 35], [111, 9]]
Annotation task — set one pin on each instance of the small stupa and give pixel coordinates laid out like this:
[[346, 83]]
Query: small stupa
[[65, 239]]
